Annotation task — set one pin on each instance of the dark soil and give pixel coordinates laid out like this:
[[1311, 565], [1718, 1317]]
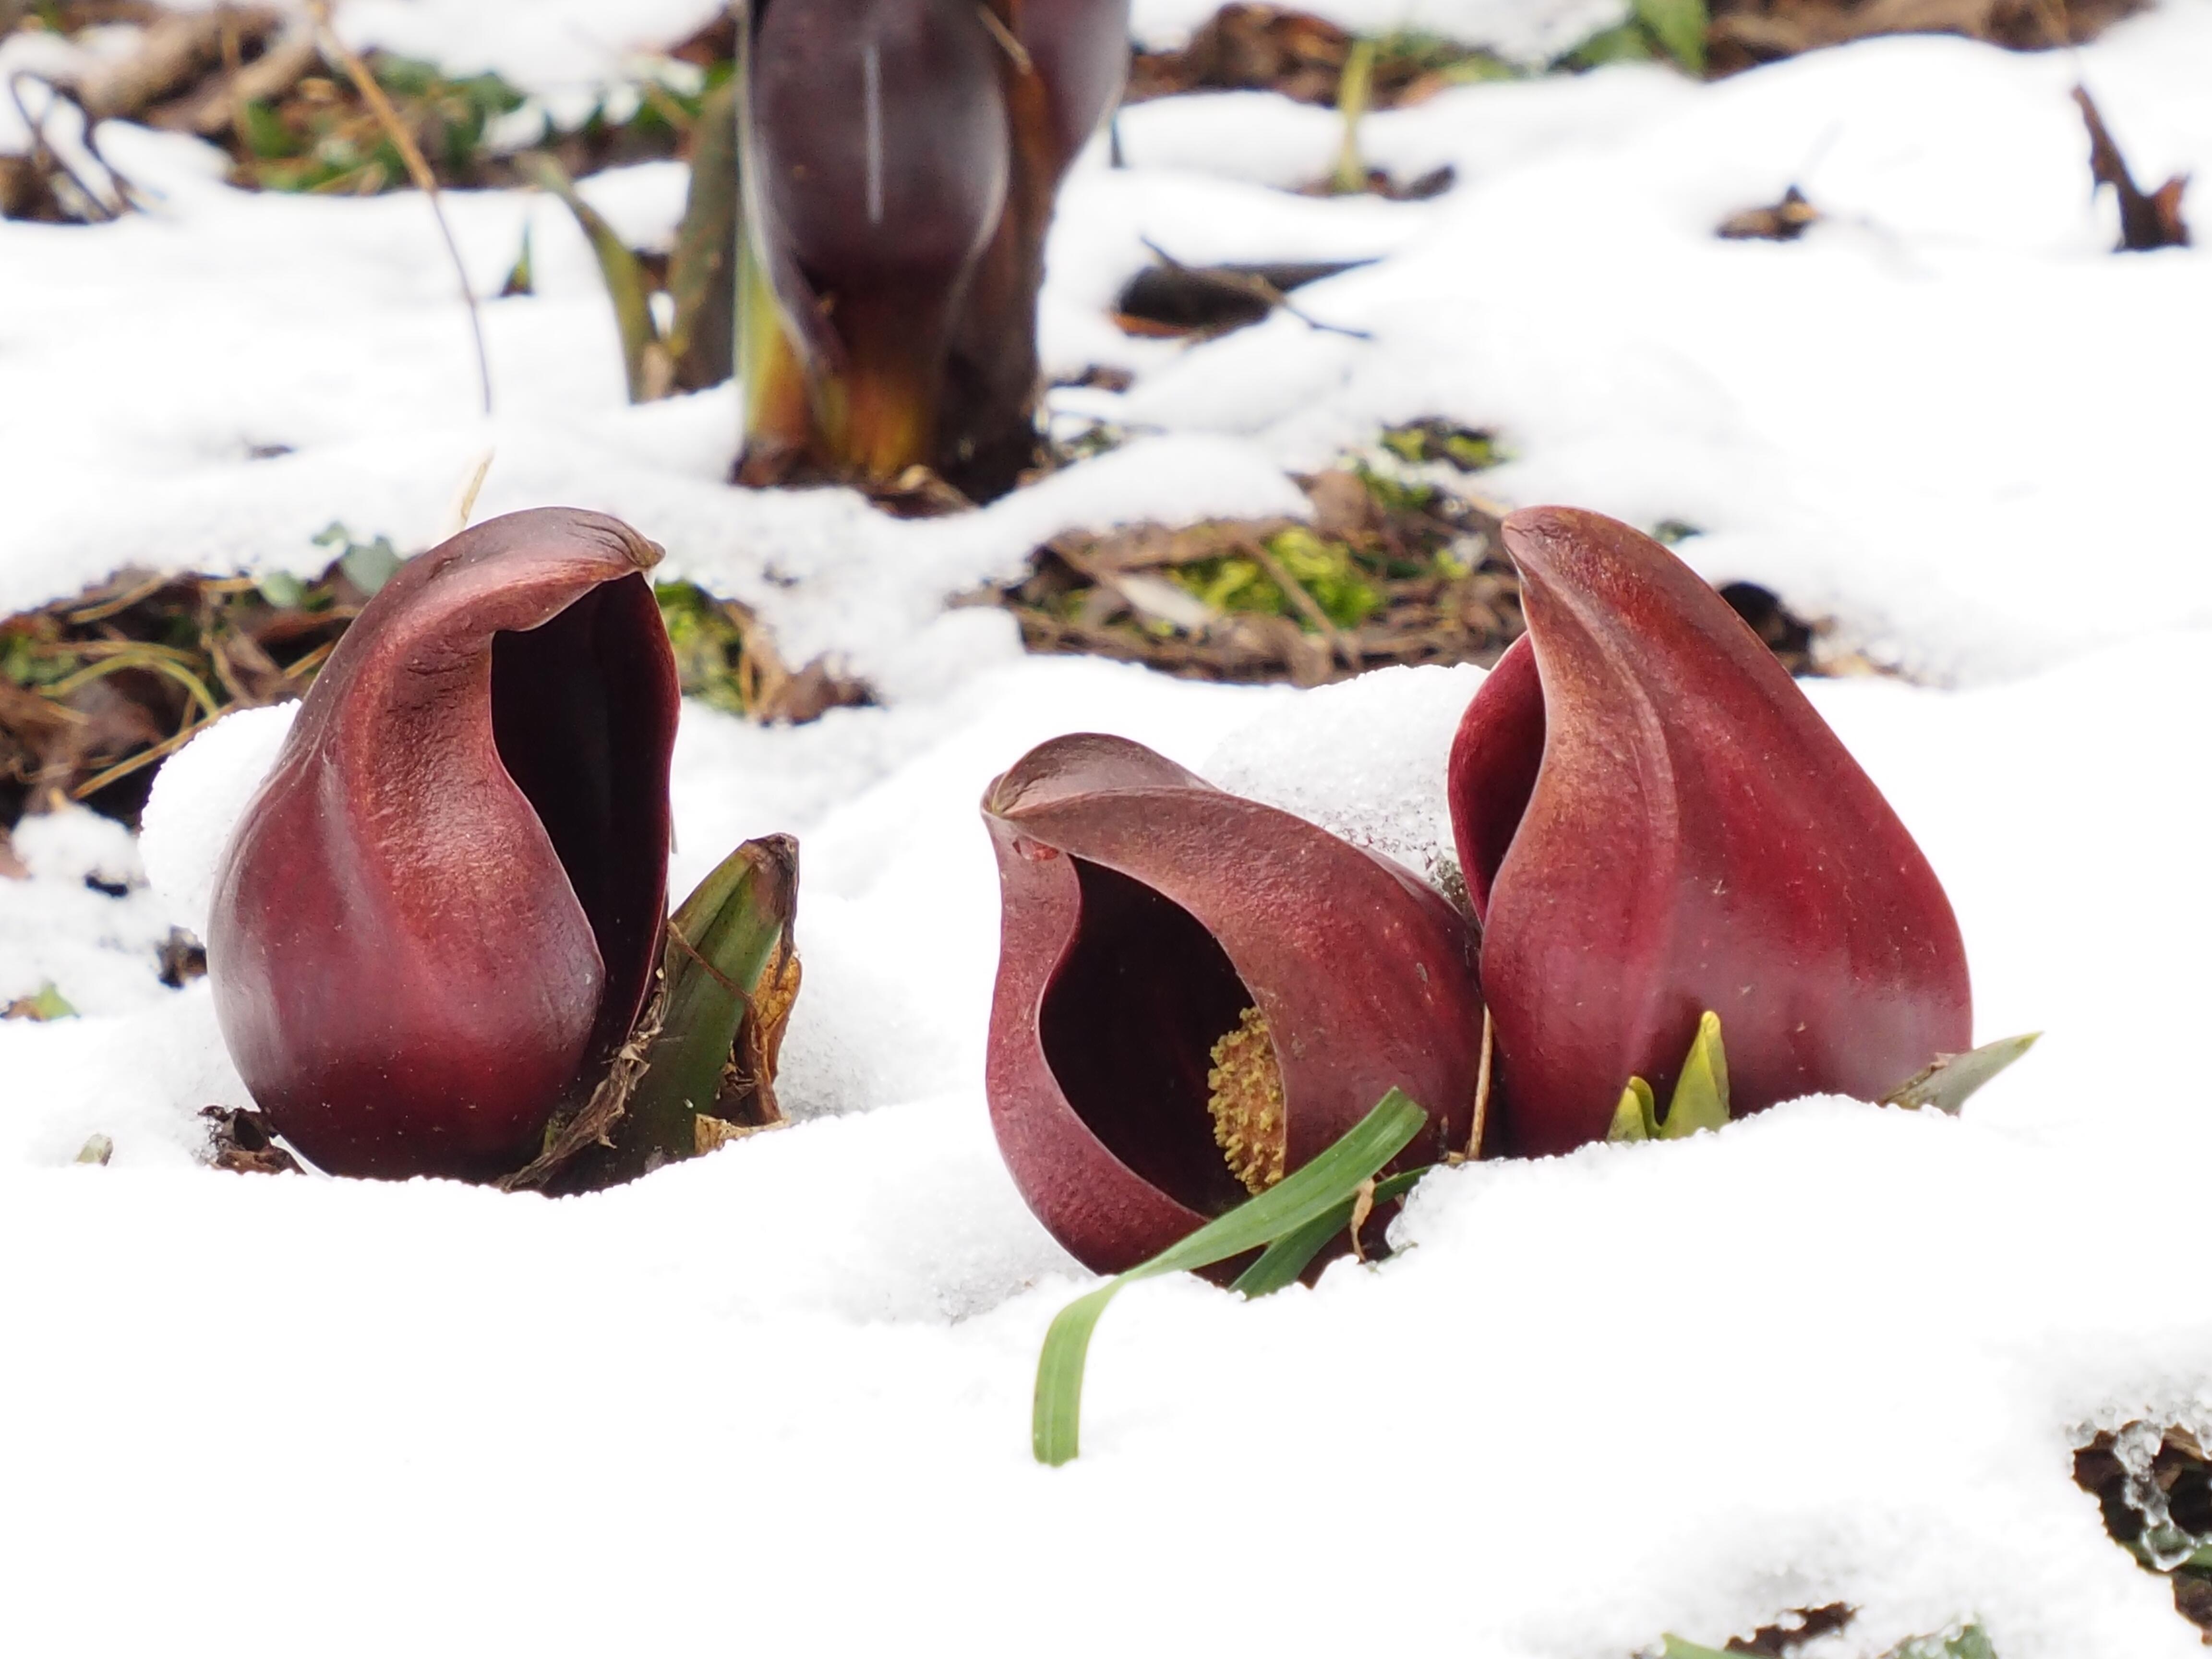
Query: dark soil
[[2181, 1471]]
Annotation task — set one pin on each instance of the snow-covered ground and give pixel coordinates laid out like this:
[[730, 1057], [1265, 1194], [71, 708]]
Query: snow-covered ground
[[779, 1397]]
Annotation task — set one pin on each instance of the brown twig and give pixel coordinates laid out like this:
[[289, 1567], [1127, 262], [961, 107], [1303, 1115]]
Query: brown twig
[[1481, 1094], [44, 155], [1363, 1206], [1008, 41], [418, 169], [1253, 286], [123, 769]]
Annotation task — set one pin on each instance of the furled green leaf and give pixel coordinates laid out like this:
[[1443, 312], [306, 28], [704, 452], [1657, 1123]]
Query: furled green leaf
[[1297, 1202], [709, 1034], [1947, 1085], [1701, 1093], [1636, 1116], [723, 942]]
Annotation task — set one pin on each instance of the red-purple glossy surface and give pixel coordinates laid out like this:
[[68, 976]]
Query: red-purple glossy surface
[[1143, 909], [1653, 821], [446, 900]]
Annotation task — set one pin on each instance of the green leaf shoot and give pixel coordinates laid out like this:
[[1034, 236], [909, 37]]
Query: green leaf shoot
[[1948, 1083], [1701, 1093], [1636, 1116], [645, 358]]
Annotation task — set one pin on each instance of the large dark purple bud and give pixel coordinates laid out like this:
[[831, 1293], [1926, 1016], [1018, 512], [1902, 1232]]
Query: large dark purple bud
[[1655, 823], [440, 913]]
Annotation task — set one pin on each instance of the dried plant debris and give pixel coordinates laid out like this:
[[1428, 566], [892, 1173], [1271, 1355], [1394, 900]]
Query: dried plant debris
[[1391, 569], [183, 959], [1796, 1630], [2147, 223], [1273, 49], [1747, 33], [725, 658], [2153, 1486], [95, 689], [1785, 222], [1276, 49], [1170, 300], [42, 1004], [1397, 566], [255, 80], [240, 1140], [1793, 1630]]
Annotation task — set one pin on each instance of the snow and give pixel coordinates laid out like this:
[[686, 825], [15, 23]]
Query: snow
[[779, 1395]]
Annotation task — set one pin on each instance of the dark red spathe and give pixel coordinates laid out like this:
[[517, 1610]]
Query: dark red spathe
[[1653, 821], [1143, 909], [443, 904]]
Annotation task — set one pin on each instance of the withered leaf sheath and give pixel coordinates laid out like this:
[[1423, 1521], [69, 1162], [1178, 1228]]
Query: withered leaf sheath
[[442, 909], [1653, 822], [1068, 76], [1143, 912]]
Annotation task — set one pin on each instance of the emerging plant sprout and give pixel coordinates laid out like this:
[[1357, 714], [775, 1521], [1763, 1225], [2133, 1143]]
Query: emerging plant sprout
[[440, 913], [899, 160], [1198, 994], [1655, 823]]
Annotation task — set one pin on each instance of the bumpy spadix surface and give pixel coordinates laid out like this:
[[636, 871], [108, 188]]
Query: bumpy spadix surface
[[1653, 822], [445, 901]]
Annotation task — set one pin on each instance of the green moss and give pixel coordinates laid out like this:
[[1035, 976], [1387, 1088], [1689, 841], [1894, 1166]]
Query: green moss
[[709, 645], [1419, 442], [1327, 570]]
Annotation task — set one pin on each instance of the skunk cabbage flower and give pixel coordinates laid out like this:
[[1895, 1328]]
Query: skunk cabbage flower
[[1653, 822], [900, 159], [441, 910], [1197, 993]]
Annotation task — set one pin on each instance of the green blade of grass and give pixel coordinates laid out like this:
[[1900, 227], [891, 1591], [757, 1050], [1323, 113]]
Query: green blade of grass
[[619, 268], [1298, 1201], [1282, 1261]]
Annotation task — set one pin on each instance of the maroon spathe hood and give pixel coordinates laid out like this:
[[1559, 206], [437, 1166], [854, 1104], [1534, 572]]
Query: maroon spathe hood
[[1653, 822], [445, 902], [1143, 911]]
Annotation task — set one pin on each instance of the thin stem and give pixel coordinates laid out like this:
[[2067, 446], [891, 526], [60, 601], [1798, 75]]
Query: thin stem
[[1481, 1092], [417, 168]]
